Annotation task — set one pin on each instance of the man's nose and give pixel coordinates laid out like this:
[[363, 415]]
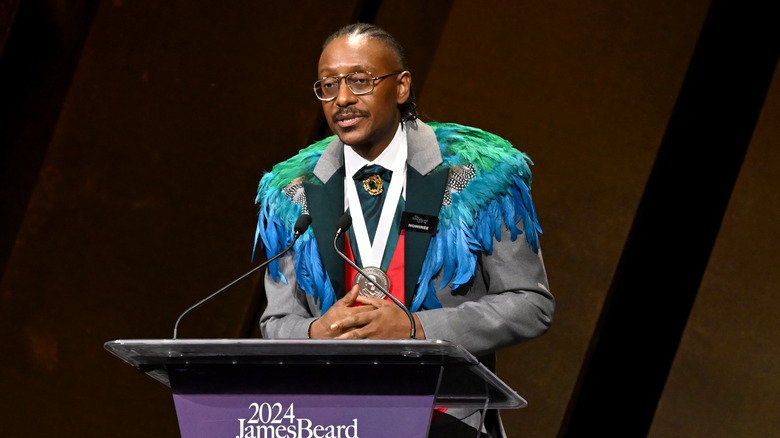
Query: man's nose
[[345, 96]]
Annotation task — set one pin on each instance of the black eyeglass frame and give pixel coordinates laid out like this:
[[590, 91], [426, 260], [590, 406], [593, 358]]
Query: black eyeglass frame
[[345, 76]]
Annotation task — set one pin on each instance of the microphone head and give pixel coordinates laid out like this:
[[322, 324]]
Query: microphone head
[[302, 224], [344, 222]]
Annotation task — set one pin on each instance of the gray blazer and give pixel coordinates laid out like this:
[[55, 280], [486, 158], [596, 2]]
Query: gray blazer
[[508, 302]]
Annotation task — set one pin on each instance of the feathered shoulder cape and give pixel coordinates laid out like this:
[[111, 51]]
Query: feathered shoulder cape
[[488, 187]]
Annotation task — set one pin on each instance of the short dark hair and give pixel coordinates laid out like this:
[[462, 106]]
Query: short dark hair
[[409, 108]]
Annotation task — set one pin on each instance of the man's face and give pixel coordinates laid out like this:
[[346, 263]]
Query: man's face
[[367, 122]]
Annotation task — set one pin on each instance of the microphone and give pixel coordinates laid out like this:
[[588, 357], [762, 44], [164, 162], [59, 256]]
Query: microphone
[[301, 225], [343, 224]]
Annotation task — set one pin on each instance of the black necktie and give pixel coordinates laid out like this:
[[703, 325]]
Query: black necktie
[[372, 191]]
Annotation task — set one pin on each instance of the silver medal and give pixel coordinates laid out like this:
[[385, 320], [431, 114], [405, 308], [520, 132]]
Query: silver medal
[[367, 289]]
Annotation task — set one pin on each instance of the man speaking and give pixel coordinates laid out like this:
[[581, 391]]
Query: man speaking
[[442, 217]]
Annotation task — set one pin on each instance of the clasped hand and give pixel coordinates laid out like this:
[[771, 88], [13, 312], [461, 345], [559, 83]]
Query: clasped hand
[[375, 319]]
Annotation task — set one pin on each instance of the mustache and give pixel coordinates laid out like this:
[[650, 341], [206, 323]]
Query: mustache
[[346, 113]]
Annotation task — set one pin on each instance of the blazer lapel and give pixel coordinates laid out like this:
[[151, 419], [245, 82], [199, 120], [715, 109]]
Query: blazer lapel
[[426, 181], [424, 196], [326, 205]]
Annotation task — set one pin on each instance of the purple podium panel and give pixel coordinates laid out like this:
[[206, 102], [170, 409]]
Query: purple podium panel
[[267, 388], [296, 400], [302, 416]]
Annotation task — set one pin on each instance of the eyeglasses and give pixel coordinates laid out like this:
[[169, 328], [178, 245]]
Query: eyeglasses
[[359, 82]]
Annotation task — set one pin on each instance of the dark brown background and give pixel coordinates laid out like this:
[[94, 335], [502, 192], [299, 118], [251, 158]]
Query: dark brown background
[[134, 133]]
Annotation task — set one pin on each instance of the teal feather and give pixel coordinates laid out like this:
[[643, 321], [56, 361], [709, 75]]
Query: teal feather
[[498, 195], [278, 213]]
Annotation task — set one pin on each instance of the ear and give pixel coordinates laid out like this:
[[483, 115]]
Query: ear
[[404, 82]]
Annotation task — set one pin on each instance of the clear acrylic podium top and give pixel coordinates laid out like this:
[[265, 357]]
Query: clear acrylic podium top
[[465, 382]]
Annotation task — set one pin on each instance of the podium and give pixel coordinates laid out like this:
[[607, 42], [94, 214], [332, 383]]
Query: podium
[[311, 388]]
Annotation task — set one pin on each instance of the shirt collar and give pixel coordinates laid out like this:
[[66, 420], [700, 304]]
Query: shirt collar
[[354, 162]]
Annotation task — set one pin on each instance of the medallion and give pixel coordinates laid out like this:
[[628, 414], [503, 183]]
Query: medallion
[[373, 184], [367, 289]]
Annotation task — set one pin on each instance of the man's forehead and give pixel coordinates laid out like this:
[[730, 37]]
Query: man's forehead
[[352, 53]]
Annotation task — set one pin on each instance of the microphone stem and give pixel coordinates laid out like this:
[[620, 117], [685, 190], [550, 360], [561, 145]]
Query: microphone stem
[[201, 302]]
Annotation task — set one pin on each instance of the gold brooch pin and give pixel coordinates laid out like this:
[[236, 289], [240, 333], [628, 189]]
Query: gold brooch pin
[[373, 185]]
